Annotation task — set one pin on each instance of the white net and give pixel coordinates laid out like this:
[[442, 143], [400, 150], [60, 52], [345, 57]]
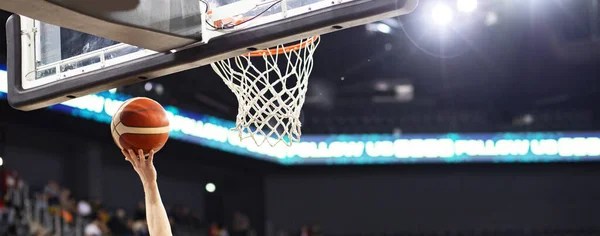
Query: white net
[[270, 86]]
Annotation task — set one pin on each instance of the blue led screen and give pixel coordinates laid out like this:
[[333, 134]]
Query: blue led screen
[[355, 149]]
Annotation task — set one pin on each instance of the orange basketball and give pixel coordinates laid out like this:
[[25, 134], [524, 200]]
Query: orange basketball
[[140, 123]]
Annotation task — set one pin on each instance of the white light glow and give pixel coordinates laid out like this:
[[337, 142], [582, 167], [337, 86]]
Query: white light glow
[[466, 6], [404, 89], [112, 90], [159, 89], [148, 86], [1, 161], [382, 86], [383, 28], [491, 18], [210, 187], [442, 15], [3, 81], [379, 27]]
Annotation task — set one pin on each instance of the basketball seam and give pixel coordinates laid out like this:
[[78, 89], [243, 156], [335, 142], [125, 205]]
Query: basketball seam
[[125, 140], [141, 134], [142, 126], [140, 110], [121, 119], [121, 108], [119, 134]]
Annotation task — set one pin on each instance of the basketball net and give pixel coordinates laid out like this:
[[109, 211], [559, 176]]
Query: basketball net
[[270, 86]]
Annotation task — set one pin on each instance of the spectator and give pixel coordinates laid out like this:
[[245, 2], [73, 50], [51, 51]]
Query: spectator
[[304, 231], [169, 210], [96, 228], [282, 233], [41, 204], [66, 216], [186, 216], [224, 232], [37, 229], [13, 198], [140, 228], [140, 212], [67, 204], [52, 191], [8, 177], [316, 230], [214, 229], [92, 229], [84, 209], [196, 219], [96, 205], [241, 224], [118, 224], [65, 197]]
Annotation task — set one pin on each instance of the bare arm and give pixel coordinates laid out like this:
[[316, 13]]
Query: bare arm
[[156, 215]]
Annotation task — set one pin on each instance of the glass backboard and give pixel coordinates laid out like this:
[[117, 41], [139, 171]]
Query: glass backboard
[[85, 47]]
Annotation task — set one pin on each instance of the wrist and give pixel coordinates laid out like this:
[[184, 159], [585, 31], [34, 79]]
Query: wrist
[[149, 184]]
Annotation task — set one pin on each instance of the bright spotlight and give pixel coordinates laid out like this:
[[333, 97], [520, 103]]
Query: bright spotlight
[[210, 187], [491, 18], [112, 90], [1, 161], [466, 6], [159, 89], [442, 15], [379, 27], [148, 86], [383, 28]]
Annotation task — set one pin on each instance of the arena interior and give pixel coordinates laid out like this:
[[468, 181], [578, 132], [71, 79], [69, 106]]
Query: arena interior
[[464, 117]]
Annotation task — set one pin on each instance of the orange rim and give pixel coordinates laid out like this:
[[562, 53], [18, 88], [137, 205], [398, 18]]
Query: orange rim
[[281, 50]]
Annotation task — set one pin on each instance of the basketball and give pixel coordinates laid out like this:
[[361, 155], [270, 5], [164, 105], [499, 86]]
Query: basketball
[[140, 123]]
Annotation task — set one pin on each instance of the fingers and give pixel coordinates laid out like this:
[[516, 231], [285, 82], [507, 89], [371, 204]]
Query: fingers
[[141, 156], [125, 154], [133, 158], [151, 156]]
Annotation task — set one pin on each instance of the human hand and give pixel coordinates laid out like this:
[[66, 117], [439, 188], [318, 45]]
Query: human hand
[[143, 165]]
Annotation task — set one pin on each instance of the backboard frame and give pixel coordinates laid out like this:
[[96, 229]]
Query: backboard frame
[[154, 65]]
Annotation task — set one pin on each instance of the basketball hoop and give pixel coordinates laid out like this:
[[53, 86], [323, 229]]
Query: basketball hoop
[[271, 91]]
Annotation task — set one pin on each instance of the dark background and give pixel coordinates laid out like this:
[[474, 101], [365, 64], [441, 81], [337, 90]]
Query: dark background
[[540, 59], [80, 155], [343, 200]]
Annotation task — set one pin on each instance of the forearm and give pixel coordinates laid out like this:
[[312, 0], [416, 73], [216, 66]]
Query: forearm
[[156, 215]]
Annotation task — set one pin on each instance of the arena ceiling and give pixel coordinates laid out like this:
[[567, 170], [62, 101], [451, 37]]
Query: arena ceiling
[[509, 65]]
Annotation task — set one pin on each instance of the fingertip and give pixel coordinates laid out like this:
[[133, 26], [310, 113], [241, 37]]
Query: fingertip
[[151, 155]]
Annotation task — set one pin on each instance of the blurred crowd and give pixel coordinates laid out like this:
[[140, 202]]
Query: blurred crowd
[[54, 211], [305, 230], [314, 230]]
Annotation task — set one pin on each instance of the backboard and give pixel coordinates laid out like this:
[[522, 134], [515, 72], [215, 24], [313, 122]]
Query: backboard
[[64, 49]]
